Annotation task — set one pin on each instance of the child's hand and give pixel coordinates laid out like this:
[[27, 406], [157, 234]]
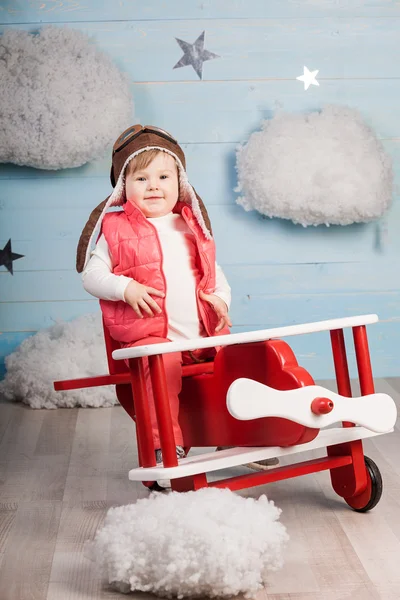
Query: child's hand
[[220, 308], [138, 297]]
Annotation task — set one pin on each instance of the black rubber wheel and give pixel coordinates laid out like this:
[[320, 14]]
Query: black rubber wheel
[[155, 487], [370, 497]]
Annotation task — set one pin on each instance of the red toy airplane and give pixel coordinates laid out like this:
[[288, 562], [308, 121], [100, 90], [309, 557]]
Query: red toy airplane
[[255, 397]]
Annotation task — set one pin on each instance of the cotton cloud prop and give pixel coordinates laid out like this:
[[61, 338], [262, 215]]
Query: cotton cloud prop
[[208, 543], [63, 351], [321, 168], [62, 102]]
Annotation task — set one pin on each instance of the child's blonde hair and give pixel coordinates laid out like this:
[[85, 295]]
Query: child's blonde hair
[[142, 161]]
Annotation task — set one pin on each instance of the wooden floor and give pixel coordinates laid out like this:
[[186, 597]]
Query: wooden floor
[[60, 471]]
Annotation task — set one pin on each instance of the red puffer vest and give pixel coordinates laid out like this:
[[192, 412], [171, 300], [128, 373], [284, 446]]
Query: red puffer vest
[[136, 252]]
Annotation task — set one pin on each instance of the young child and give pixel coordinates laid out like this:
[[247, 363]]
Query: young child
[[154, 266]]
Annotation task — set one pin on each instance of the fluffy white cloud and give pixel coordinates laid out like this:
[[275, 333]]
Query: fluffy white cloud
[[62, 102], [64, 351], [326, 167], [204, 544]]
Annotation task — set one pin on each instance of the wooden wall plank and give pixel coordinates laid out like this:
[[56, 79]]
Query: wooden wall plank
[[260, 312], [242, 237], [250, 49], [312, 351], [245, 281], [210, 166], [57, 11]]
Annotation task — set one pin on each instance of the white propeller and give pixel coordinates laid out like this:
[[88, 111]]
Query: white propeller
[[311, 406]]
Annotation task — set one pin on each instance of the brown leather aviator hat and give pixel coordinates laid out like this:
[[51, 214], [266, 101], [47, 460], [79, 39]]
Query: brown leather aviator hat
[[133, 141]]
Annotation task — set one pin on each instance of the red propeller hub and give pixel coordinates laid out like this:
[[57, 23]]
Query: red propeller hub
[[322, 406]]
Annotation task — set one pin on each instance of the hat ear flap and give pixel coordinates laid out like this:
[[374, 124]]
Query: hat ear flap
[[86, 234]]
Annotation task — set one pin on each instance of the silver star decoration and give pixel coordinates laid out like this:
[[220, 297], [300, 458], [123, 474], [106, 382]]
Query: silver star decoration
[[195, 55]]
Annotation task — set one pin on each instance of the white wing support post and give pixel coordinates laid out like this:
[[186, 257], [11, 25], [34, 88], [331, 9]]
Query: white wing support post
[[311, 406]]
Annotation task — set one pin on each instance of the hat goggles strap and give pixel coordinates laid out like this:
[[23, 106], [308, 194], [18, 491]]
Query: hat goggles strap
[[132, 133]]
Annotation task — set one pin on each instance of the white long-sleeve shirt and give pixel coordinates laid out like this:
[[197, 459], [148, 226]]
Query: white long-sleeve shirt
[[181, 273]]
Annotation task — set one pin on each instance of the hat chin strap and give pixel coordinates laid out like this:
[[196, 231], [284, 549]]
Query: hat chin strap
[[187, 195]]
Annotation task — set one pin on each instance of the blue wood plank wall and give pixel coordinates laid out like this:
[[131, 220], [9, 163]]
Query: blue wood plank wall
[[280, 273]]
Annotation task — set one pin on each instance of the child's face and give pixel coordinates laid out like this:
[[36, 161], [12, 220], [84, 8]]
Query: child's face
[[154, 189]]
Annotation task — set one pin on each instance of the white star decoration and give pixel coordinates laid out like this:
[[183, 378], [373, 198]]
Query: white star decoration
[[309, 78]]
